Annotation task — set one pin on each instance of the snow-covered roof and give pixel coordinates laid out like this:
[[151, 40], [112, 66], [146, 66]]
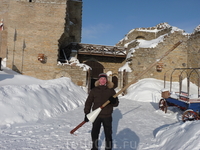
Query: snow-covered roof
[[75, 61]]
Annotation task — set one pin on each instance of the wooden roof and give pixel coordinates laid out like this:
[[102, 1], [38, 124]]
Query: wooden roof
[[101, 50]]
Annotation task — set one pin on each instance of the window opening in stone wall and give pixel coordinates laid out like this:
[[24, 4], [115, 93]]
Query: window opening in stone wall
[[30, 0], [115, 81], [97, 68], [140, 37]]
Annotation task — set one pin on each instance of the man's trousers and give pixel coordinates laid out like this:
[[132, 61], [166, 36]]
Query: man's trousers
[[107, 125]]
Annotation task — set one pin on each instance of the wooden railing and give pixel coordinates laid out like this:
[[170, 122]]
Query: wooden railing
[[101, 50]]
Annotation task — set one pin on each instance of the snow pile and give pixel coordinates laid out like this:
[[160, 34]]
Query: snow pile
[[183, 136], [175, 136], [36, 99], [75, 61], [9, 77], [145, 90]]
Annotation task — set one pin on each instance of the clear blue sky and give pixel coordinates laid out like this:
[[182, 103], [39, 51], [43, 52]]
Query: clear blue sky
[[108, 21]]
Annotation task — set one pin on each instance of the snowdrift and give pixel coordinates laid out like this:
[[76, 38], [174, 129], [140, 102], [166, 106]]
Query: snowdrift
[[22, 103]]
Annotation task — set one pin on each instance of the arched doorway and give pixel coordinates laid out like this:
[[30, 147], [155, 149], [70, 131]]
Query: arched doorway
[[97, 68], [140, 37]]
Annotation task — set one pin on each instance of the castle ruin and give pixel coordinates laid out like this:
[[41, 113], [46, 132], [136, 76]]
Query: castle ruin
[[39, 37]]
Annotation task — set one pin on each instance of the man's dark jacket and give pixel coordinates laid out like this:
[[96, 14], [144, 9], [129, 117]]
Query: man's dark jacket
[[98, 96]]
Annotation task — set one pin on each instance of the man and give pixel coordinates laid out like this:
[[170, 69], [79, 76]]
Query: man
[[102, 92]]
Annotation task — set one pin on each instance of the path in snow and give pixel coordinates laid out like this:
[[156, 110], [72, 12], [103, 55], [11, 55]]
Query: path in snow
[[134, 126]]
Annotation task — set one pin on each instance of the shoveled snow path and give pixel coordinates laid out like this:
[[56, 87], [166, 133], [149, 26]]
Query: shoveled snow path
[[54, 133]]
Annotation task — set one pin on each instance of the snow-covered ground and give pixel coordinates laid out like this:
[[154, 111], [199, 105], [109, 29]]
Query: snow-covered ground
[[39, 115]]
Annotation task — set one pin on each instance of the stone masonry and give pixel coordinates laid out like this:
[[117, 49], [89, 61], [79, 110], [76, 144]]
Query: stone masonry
[[40, 28], [186, 55]]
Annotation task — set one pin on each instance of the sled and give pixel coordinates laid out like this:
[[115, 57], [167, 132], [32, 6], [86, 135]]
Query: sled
[[186, 101]]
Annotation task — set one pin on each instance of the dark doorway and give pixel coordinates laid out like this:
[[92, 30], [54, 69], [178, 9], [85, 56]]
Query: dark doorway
[[97, 68], [115, 81]]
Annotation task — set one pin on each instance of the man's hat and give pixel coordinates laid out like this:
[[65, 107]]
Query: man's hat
[[103, 75]]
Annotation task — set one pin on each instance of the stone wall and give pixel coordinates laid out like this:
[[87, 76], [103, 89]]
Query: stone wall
[[33, 31], [41, 27], [77, 74], [193, 45], [141, 33], [144, 57], [109, 63], [73, 24], [186, 55]]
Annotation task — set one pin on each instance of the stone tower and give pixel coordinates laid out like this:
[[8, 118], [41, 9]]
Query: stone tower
[[36, 31]]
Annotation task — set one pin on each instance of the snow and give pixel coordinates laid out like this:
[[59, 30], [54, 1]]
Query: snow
[[75, 61], [125, 67], [39, 115], [156, 28], [197, 29], [109, 73], [148, 43], [142, 44]]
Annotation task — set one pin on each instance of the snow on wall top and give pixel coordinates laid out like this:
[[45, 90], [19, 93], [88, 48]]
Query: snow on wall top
[[156, 28], [147, 43], [197, 29]]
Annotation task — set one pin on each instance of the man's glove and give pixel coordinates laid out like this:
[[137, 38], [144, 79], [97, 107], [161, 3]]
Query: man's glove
[[86, 119], [112, 100]]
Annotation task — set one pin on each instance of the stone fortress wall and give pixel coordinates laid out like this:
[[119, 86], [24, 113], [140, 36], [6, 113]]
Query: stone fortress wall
[[186, 55], [34, 33]]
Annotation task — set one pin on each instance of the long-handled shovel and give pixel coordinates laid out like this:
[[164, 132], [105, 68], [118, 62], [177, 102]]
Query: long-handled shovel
[[92, 116]]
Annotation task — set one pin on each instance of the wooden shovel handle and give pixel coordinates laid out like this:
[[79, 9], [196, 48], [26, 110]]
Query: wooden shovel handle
[[104, 105], [77, 127]]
